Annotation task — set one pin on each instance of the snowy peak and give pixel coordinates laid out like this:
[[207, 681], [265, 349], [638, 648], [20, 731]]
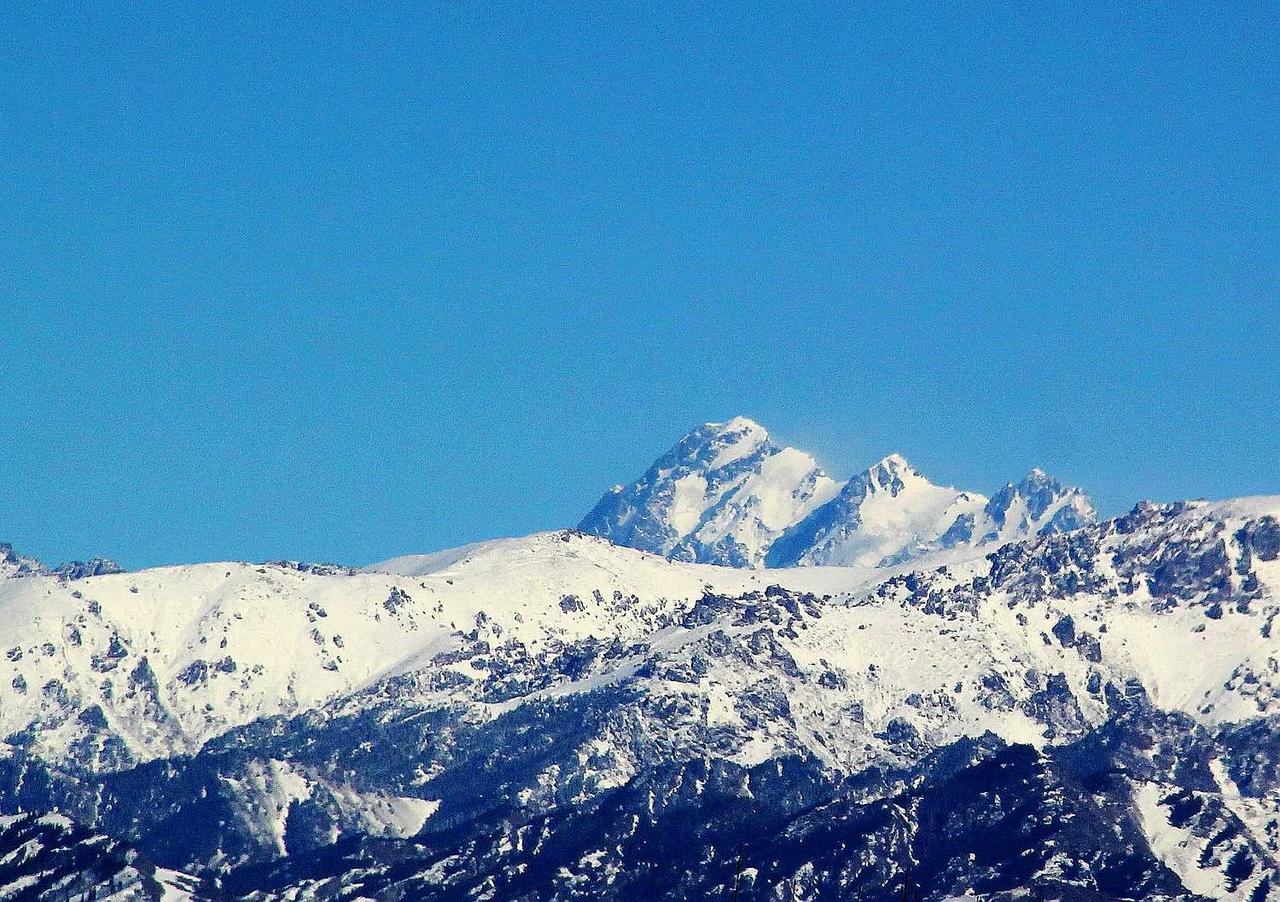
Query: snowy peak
[[1037, 505], [891, 474], [14, 564], [886, 515], [726, 494], [730, 441], [720, 496], [715, 446]]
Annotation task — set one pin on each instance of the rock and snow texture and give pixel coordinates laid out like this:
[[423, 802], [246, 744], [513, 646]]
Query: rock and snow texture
[[51, 857], [725, 494], [884, 516], [564, 693], [1034, 700], [720, 496], [13, 564], [121, 668], [1037, 505]]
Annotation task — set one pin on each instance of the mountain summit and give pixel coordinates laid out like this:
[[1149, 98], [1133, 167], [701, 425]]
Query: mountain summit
[[1036, 505], [888, 514], [722, 495], [726, 494]]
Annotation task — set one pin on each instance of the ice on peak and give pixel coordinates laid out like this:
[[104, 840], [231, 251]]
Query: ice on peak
[[739, 430], [1040, 481], [1037, 480], [730, 441], [721, 495], [885, 515], [890, 469], [894, 461], [715, 445], [727, 494], [743, 425]]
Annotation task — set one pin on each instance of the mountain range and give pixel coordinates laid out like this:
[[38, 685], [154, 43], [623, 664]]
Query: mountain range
[[737, 679], [726, 494]]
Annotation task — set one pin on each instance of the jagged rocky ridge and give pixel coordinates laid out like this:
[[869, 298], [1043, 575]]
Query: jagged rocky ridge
[[14, 564], [1088, 714], [725, 494]]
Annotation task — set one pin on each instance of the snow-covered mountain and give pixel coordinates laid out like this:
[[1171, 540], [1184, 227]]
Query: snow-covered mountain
[[886, 515], [1035, 705], [722, 495], [1037, 505], [725, 494], [118, 669]]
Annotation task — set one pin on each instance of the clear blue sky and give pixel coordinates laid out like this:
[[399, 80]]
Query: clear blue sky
[[340, 285]]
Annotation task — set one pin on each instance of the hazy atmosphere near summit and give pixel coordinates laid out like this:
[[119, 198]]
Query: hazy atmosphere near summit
[[526, 451]]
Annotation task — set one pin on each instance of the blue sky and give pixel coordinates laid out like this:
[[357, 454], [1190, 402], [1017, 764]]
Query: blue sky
[[345, 284]]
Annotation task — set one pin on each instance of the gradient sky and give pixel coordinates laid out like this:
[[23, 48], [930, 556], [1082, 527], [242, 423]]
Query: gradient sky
[[341, 285]]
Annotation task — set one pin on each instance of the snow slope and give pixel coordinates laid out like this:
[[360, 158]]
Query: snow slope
[[317, 703], [888, 514], [120, 668], [720, 496]]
